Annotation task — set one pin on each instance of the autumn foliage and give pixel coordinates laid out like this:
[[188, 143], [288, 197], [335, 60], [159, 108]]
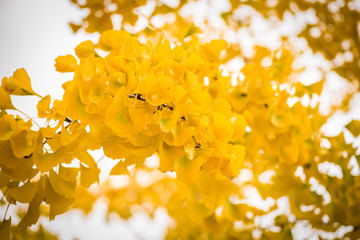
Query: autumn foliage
[[167, 93]]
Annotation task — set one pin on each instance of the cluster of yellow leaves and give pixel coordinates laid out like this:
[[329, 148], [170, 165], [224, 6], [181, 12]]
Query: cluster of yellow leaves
[[134, 102], [29, 156], [140, 99], [144, 99]]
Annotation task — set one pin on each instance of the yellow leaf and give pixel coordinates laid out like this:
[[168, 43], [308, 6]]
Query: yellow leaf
[[221, 127], [69, 174], [7, 126], [117, 115], [23, 142], [354, 127], [187, 169], [182, 135], [240, 124], [84, 200], [168, 119], [120, 169], [75, 108], [66, 63], [5, 100], [5, 229], [32, 215], [25, 193], [19, 174], [113, 149], [86, 159], [88, 176], [22, 80], [167, 156], [46, 161], [43, 106], [84, 49], [215, 47], [236, 159], [58, 203], [96, 92], [60, 186], [112, 39]]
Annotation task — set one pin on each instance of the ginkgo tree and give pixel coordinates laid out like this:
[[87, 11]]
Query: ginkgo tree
[[167, 92]]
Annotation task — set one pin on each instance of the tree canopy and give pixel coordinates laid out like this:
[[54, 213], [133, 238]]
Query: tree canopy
[[187, 95]]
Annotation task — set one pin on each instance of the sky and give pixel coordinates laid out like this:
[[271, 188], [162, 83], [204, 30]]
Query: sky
[[33, 33]]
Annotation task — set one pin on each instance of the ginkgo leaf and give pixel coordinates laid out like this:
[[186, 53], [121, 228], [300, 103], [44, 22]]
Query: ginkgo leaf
[[169, 119], [66, 63], [22, 80], [23, 142], [25, 193], [7, 126], [113, 149], [75, 108], [84, 49], [215, 47], [88, 176], [67, 138], [19, 174], [112, 39], [4, 180], [182, 135], [239, 123], [120, 169], [354, 127], [96, 93], [236, 159], [187, 169], [9, 160], [86, 159], [117, 115], [5, 229], [221, 126], [5, 100], [167, 156], [58, 203], [43, 106], [32, 215], [45, 162], [61, 186], [84, 200]]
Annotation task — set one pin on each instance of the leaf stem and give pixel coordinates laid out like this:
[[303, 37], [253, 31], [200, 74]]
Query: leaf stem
[[29, 117], [7, 208]]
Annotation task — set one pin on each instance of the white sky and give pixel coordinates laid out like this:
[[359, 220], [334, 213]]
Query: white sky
[[33, 33]]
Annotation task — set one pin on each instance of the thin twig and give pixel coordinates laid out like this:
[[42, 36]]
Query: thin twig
[[29, 117], [4, 195], [100, 159], [198, 145], [7, 208]]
